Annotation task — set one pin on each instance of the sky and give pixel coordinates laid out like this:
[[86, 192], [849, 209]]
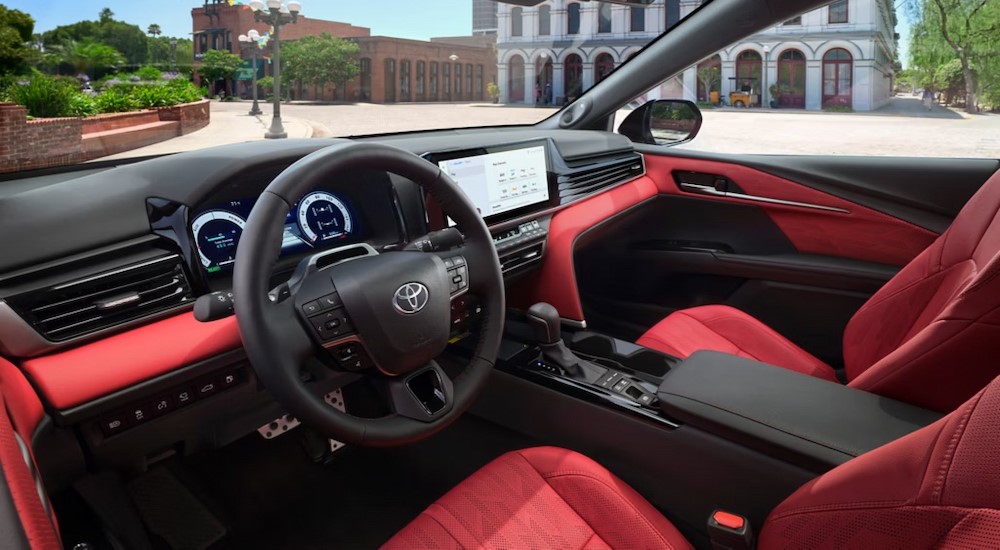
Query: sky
[[384, 17]]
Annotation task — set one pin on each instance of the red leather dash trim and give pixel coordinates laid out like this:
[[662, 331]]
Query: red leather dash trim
[[22, 402], [85, 373], [863, 234]]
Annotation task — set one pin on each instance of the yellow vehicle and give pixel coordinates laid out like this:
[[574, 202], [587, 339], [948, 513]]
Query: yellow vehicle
[[745, 92]]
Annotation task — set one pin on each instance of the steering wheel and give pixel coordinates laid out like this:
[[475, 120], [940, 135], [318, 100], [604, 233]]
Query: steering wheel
[[396, 305]]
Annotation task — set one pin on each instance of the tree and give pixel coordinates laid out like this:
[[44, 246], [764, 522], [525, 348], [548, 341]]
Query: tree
[[128, 39], [710, 77], [219, 65], [106, 16], [16, 28], [154, 30], [966, 30], [317, 60], [84, 56]]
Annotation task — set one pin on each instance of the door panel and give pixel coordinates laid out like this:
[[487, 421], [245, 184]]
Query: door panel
[[802, 260]]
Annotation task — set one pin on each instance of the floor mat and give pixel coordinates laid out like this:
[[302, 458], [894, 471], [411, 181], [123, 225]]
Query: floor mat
[[172, 513], [270, 495]]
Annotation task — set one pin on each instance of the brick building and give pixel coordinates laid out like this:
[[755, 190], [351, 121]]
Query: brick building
[[392, 69]]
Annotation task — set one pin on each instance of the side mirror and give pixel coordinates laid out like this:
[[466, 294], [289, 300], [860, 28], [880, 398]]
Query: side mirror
[[663, 122]]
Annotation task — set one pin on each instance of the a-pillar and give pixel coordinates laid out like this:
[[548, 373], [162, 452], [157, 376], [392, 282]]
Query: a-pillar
[[529, 83]]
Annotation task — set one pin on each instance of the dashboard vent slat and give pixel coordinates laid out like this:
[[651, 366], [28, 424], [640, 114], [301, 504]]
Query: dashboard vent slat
[[104, 300], [584, 181]]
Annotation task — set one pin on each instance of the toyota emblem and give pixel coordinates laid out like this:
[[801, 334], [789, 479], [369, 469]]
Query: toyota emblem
[[410, 298]]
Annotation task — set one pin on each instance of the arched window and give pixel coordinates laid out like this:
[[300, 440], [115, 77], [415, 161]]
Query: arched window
[[479, 82], [748, 73], [638, 19], [365, 66], [604, 18], [458, 81], [838, 66], [390, 80], [603, 66], [544, 20], [791, 79], [573, 18], [468, 80], [434, 81], [515, 79], [421, 72], [517, 22], [404, 80], [573, 75]]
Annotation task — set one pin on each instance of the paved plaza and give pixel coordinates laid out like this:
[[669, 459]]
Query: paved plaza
[[902, 128]]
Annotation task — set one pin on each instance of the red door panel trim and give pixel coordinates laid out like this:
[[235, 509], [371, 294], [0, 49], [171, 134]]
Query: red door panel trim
[[85, 373], [861, 234]]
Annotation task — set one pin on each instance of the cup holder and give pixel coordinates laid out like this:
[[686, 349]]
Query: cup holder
[[628, 354]]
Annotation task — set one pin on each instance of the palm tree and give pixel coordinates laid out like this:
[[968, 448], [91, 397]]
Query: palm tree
[[84, 56], [106, 15], [154, 30]]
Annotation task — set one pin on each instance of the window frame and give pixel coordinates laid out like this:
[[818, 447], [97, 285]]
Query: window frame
[[517, 21], [633, 12], [847, 12]]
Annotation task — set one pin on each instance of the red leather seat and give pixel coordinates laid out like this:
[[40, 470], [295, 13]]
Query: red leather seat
[[937, 487], [929, 337]]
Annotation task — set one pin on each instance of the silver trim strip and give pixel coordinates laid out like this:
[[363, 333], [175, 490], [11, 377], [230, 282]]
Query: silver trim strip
[[574, 322], [709, 190]]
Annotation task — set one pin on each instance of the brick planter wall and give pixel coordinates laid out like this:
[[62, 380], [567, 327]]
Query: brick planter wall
[[47, 142]]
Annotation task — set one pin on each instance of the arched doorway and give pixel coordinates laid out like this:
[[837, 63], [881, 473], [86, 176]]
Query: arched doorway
[[792, 79], [515, 79], [603, 66], [748, 73], [390, 81], [543, 79], [838, 68], [573, 75], [709, 77]]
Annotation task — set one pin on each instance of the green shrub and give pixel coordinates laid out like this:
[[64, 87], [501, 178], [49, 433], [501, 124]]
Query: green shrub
[[82, 105], [149, 97], [114, 100], [838, 109], [149, 73], [44, 96], [706, 105], [185, 91]]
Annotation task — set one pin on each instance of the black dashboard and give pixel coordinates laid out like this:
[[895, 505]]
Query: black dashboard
[[131, 219]]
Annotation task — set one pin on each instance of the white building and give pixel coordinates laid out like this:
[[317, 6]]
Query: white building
[[842, 54]]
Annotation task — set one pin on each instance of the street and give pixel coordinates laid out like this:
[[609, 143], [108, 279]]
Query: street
[[902, 128]]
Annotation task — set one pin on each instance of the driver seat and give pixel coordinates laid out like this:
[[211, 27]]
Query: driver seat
[[936, 487], [928, 337]]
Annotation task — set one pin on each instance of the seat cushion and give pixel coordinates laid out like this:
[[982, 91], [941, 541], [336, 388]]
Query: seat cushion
[[729, 330], [544, 497]]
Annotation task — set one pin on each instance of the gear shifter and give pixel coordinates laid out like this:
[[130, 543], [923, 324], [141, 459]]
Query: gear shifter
[[545, 319]]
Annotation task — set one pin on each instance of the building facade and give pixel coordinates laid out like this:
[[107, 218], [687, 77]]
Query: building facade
[[840, 55], [391, 69], [484, 16]]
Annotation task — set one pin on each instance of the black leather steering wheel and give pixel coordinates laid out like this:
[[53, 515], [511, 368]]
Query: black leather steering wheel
[[396, 305]]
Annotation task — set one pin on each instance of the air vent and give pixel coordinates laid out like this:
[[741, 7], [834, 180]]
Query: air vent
[[105, 299], [595, 177]]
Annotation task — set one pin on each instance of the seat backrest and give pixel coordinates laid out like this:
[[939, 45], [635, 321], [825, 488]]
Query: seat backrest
[[931, 336], [938, 487]]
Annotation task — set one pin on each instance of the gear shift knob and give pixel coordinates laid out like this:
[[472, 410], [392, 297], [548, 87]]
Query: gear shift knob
[[545, 318]]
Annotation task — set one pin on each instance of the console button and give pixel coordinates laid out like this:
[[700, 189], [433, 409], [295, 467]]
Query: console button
[[311, 308], [183, 396], [206, 387], [137, 414], [229, 379], [162, 405], [114, 423], [620, 385], [645, 399]]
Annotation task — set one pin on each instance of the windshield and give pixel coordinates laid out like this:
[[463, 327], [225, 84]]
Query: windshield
[[97, 80]]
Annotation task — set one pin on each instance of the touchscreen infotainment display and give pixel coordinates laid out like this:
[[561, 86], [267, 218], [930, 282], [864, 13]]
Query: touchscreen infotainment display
[[502, 181]]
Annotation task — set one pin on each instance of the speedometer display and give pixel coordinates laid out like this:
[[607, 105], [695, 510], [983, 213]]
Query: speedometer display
[[217, 233], [322, 216]]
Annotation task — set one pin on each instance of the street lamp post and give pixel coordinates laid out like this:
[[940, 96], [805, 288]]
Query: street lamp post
[[173, 55], [249, 41], [277, 15], [763, 76]]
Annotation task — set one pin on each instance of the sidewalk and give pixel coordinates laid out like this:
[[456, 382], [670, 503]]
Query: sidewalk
[[226, 127]]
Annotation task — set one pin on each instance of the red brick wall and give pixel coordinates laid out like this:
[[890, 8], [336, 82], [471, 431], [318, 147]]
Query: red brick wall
[[192, 116], [41, 143]]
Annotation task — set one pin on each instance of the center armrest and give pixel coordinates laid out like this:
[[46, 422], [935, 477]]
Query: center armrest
[[813, 422]]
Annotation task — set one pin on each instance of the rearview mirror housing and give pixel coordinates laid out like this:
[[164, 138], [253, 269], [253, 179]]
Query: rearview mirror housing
[[664, 122]]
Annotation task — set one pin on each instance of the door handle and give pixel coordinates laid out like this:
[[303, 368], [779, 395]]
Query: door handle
[[701, 189]]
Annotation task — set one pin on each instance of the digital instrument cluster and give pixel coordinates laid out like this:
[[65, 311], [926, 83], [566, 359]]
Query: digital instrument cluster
[[320, 220]]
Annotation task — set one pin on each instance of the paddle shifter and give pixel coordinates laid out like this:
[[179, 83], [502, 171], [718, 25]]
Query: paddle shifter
[[545, 319]]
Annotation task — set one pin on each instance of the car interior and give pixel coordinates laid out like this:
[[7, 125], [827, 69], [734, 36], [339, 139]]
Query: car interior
[[563, 335]]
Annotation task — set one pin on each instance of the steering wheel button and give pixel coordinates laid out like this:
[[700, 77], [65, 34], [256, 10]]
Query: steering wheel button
[[311, 308], [459, 260], [332, 324], [330, 301], [449, 263]]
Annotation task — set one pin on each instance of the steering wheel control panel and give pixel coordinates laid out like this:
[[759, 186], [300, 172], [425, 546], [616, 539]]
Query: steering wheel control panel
[[328, 318]]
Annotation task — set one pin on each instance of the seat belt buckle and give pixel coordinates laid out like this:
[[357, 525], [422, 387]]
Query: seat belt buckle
[[729, 531]]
